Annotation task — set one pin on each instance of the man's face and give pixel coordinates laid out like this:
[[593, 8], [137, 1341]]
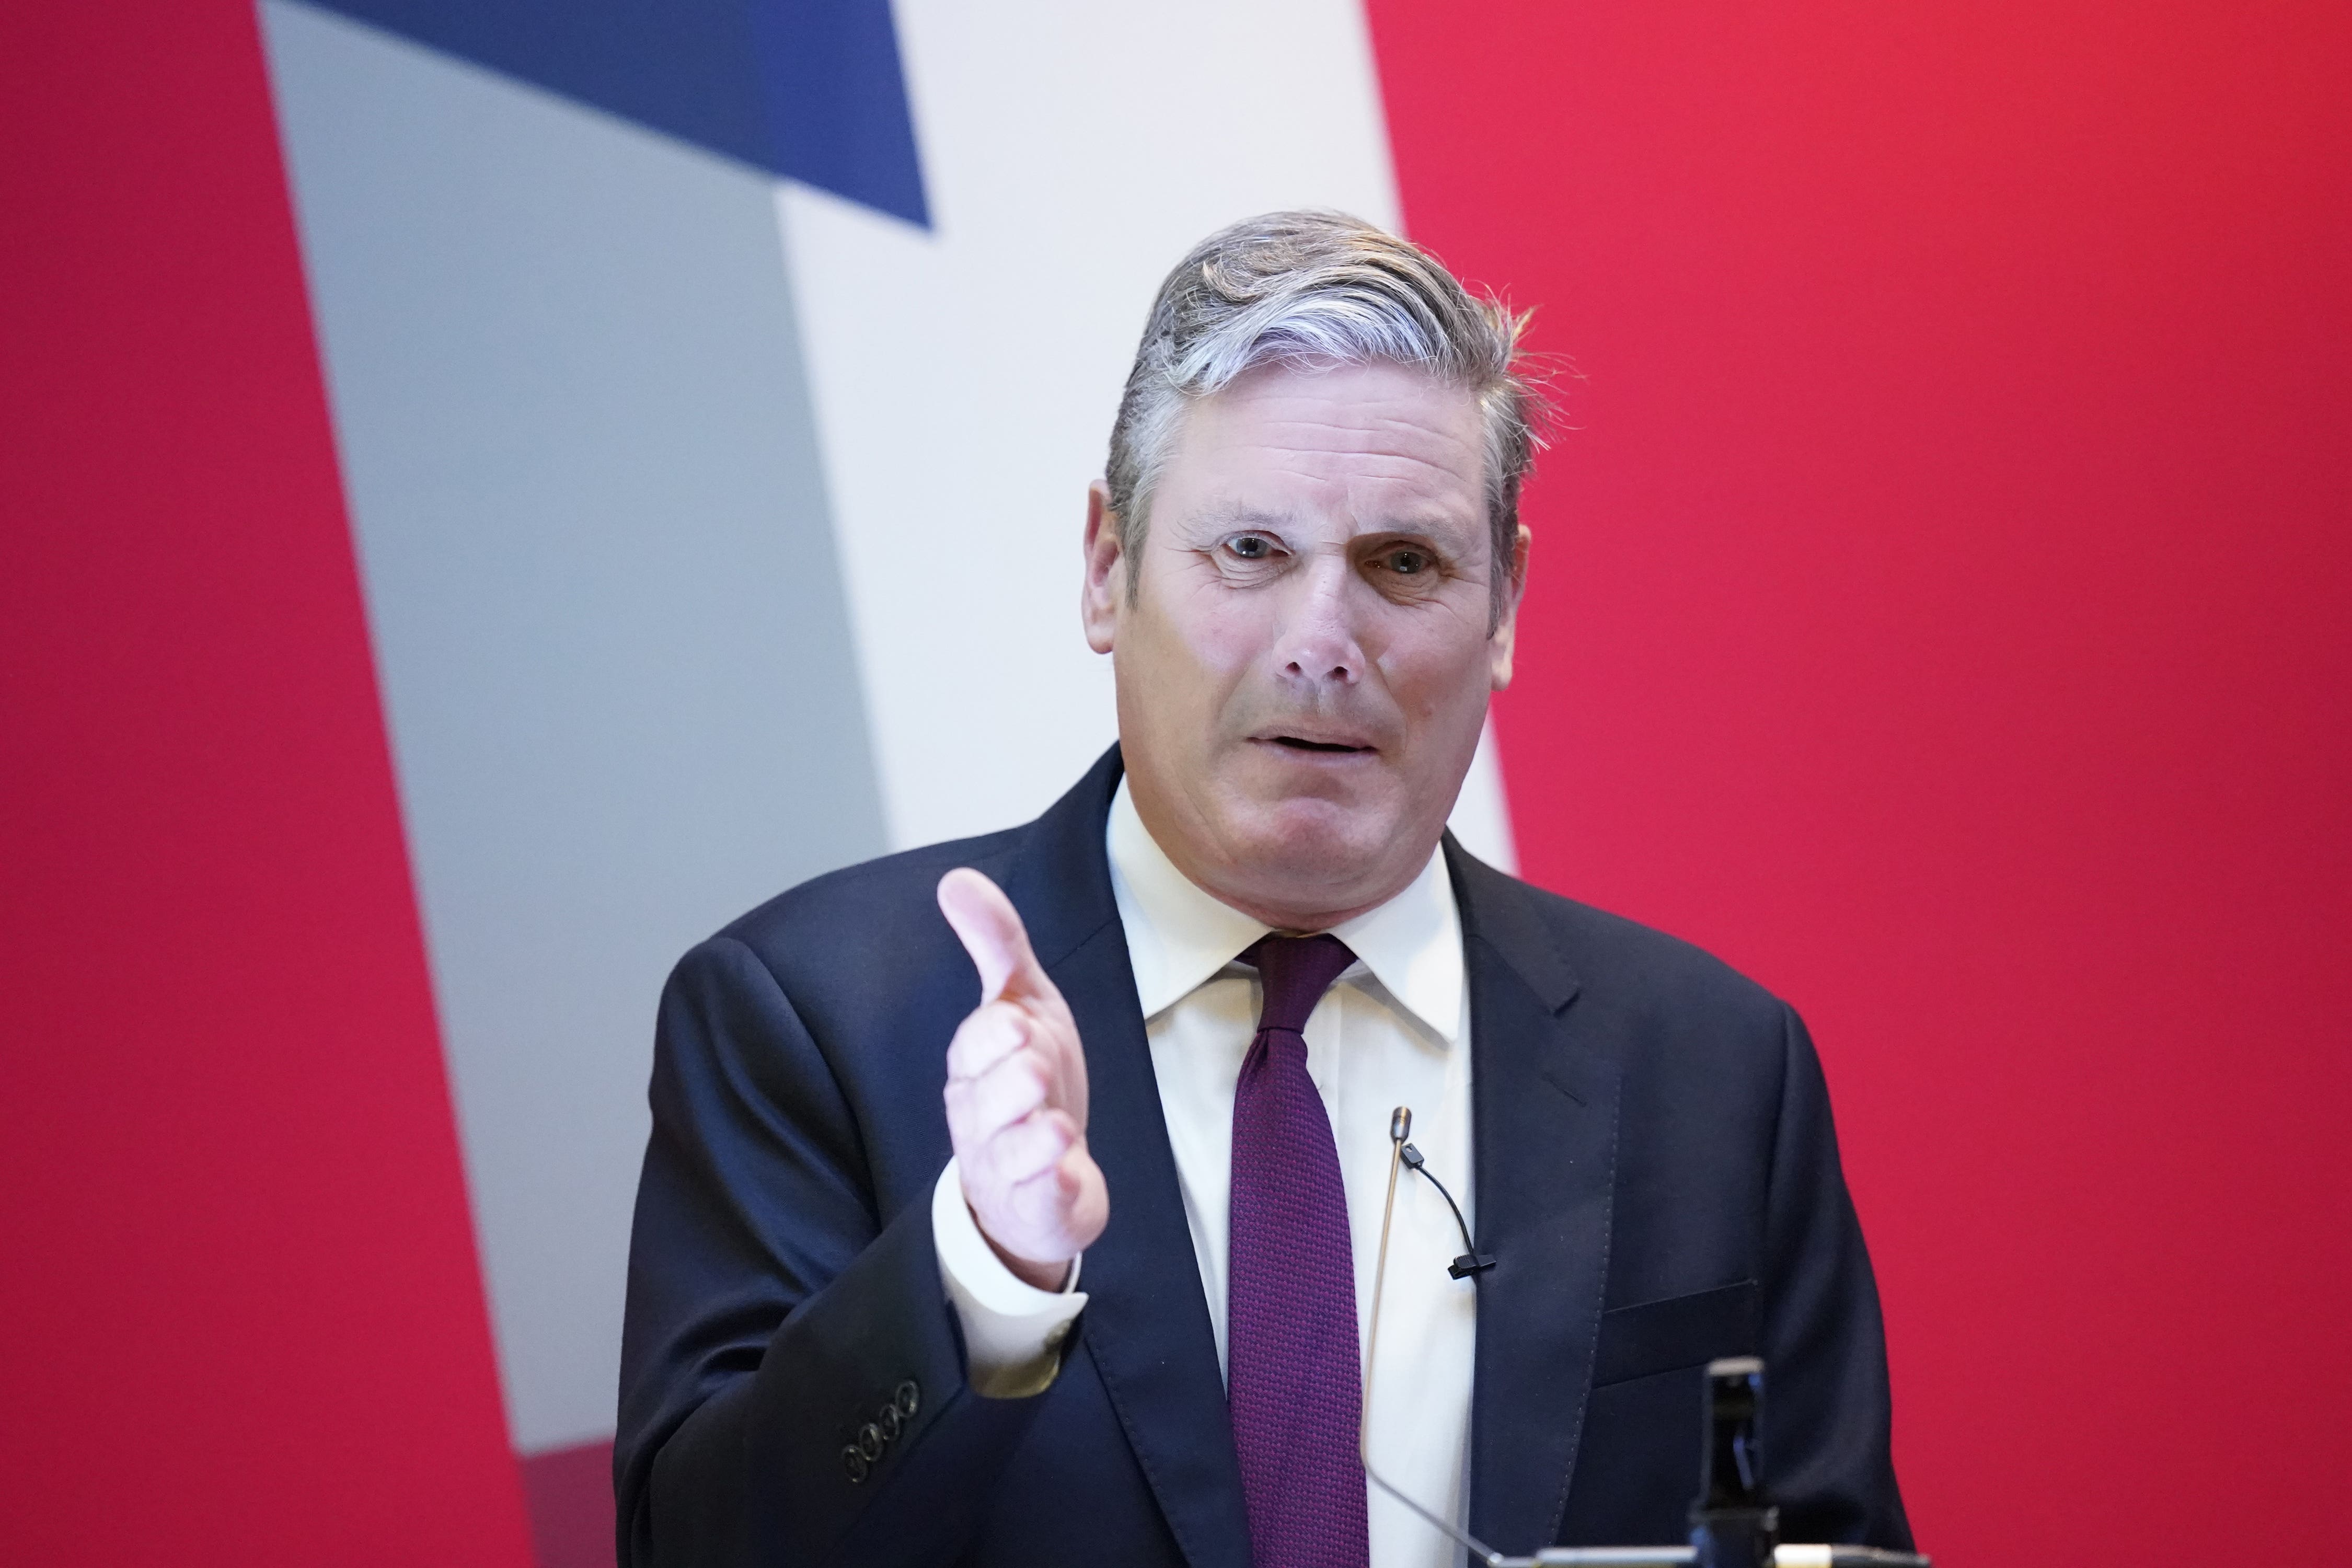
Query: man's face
[[1304, 667]]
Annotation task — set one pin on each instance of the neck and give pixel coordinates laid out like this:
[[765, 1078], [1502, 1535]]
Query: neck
[[1287, 920], [1328, 900]]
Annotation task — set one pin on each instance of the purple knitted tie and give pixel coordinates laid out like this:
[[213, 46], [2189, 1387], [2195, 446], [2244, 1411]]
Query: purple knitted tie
[[1292, 1378]]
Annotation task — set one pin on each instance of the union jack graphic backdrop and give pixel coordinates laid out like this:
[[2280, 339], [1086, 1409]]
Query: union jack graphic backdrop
[[495, 489]]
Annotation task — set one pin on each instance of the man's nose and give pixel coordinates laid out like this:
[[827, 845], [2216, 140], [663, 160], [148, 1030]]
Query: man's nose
[[1320, 641]]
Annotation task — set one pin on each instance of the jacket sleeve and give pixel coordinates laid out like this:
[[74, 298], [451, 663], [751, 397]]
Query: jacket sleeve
[[1827, 1415], [793, 1386]]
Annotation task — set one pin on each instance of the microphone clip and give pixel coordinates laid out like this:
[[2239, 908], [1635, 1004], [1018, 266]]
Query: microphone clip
[[1471, 1262]]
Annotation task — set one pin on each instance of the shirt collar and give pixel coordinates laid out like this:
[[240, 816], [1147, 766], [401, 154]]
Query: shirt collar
[[1179, 936]]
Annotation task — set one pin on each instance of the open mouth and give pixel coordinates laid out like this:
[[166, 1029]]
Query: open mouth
[[1298, 743]]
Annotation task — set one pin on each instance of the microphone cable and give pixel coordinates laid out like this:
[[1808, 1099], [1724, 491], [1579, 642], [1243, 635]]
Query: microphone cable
[[1471, 1261], [1400, 1129]]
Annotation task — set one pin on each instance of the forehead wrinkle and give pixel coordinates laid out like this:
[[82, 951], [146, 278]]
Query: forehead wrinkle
[[1368, 460], [1396, 435], [1408, 502], [1413, 479]]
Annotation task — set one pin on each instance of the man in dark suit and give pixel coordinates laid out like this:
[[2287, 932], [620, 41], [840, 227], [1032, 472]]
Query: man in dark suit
[[857, 1331]]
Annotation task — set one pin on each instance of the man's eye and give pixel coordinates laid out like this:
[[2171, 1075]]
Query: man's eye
[[1250, 547], [1410, 563]]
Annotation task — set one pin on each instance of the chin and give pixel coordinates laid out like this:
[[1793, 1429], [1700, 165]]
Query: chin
[[1306, 843]]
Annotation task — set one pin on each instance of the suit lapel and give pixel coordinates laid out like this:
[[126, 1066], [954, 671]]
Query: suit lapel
[[1544, 1102], [1146, 1325]]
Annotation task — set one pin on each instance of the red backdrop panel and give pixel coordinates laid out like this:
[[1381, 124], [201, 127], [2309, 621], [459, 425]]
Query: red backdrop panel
[[243, 1317], [1940, 610]]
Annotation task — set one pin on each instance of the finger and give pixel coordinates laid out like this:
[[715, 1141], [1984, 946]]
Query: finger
[[1030, 1147], [1051, 1199], [1006, 1092], [991, 931], [1069, 1059], [1046, 1197], [989, 1035], [1085, 1199]]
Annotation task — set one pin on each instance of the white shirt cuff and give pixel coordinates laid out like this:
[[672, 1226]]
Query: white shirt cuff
[[1012, 1331]]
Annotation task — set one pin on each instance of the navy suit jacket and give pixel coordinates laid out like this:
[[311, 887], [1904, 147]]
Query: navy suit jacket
[[1657, 1179]]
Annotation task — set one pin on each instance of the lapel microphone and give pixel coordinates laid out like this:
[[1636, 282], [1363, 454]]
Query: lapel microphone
[[1730, 1459], [1471, 1262]]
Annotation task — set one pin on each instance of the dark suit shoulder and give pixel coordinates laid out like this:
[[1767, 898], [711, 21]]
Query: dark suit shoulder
[[1590, 947], [1653, 987], [863, 963], [879, 924], [884, 906], [1609, 949]]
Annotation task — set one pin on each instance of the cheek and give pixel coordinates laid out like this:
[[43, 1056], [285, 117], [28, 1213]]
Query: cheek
[[1221, 634], [1199, 650], [1436, 668]]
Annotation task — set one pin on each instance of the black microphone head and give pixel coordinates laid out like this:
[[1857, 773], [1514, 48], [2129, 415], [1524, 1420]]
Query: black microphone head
[[1731, 1461]]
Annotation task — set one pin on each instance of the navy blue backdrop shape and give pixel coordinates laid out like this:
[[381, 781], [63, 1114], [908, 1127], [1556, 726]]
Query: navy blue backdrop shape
[[812, 89]]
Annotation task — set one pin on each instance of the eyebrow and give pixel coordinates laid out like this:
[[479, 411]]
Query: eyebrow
[[1230, 514], [1234, 514]]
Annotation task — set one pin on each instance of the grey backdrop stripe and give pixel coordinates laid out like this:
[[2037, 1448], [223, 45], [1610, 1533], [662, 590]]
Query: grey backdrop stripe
[[608, 619]]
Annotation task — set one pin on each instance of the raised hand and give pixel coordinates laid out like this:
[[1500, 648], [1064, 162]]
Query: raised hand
[[1016, 1096]]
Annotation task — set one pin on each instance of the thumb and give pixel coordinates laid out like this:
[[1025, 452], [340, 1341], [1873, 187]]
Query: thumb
[[991, 931]]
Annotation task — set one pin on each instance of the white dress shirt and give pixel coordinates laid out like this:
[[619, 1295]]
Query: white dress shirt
[[1394, 1030]]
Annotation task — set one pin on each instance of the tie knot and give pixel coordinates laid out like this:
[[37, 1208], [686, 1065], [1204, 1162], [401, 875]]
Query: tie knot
[[1295, 972]]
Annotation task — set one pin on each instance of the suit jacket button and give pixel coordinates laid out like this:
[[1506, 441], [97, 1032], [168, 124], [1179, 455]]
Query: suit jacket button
[[891, 1424], [856, 1464], [908, 1398], [869, 1441]]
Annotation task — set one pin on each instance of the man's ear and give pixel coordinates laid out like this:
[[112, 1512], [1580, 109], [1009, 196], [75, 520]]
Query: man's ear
[[1506, 621], [1105, 592]]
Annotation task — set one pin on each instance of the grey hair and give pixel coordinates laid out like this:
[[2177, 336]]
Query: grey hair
[[1317, 290]]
